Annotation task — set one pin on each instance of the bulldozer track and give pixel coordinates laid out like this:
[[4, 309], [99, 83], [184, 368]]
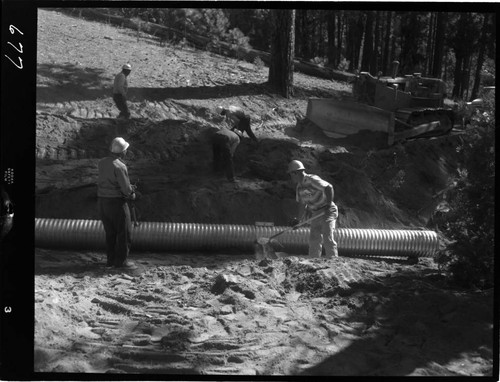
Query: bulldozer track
[[154, 110], [78, 144]]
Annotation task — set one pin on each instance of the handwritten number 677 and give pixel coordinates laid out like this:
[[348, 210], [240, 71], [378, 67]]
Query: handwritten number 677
[[12, 30]]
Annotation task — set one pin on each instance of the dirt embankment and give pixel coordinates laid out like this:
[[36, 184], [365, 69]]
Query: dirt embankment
[[393, 187], [199, 313]]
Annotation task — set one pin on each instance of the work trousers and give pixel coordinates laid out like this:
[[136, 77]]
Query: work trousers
[[223, 152], [115, 217], [121, 104], [321, 233]]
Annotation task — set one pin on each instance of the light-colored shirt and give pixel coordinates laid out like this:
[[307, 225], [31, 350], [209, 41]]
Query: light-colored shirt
[[120, 85], [113, 180], [311, 191]]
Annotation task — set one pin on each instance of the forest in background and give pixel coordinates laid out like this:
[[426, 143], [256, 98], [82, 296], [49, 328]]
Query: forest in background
[[458, 47]]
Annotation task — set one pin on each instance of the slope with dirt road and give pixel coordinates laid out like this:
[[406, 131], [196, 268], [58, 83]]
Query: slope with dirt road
[[217, 313]]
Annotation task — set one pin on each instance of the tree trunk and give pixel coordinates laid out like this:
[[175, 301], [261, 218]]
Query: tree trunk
[[466, 77], [368, 45], [463, 44], [316, 37], [387, 43], [430, 43], [457, 76], [306, 36], [299, 34], [437, 65], [375, 64], [393, 51], [322, 45], [480, 57], [331, 50], [358, 39], [340, 27], [282, 51]]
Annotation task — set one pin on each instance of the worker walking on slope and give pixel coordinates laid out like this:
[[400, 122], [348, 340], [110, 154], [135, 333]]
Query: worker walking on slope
[[237, 119], [113, 191], [120, 87], [315, 196]]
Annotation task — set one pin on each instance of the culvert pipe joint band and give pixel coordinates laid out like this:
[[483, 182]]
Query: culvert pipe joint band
[[159, 236]]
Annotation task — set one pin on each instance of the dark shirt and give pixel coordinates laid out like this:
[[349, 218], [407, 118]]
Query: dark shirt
[[239, 120], [226, 137]]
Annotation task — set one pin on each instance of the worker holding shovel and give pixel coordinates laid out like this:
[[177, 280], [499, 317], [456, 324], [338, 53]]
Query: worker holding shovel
[[315, 196]]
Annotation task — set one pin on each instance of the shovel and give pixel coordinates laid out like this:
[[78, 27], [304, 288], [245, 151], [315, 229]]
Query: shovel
[[133, 211], [263, 248]]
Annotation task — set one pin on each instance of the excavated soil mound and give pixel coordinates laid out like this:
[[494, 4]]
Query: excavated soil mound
[[222, 313]]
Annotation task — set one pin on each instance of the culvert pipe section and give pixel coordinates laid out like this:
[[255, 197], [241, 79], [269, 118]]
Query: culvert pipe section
[[159, 236]]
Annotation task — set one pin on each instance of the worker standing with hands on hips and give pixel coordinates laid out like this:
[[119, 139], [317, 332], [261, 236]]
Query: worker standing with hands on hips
[[315, 196], [237, 119], [120, 88], [113, 191]]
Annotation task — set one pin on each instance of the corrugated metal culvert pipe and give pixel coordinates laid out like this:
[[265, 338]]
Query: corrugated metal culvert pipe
[[156, 236]]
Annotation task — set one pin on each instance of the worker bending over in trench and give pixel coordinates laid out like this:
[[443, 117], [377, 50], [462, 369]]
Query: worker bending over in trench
[[225, 141], [224, 144], [113, 191], [237, 119], [315, 196], [120, 88]]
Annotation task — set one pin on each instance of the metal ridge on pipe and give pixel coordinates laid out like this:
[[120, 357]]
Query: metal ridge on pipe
[[159, 236]]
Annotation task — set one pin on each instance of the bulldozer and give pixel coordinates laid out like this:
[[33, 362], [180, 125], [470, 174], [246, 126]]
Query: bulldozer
[[400, 107]]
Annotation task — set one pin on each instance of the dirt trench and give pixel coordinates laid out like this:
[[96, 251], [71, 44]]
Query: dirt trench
[[171, 161]]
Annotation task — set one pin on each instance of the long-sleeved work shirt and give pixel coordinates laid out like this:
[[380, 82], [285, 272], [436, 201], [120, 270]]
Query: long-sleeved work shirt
[[113, 180], [311, 192], [120, 86]]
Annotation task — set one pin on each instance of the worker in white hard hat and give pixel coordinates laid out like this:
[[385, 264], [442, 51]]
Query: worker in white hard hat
[[315, 196], [237, 120], [113, 191], [120, 87]]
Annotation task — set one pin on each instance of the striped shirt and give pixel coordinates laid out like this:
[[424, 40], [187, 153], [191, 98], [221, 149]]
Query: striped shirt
[[311, 191], [120, 85]]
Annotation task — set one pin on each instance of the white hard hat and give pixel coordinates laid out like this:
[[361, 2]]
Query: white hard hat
[[295, 165], [119, 145], [219, 109], [127, 67]]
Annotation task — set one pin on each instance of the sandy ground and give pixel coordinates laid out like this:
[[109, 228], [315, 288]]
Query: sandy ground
[[228, 313]]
